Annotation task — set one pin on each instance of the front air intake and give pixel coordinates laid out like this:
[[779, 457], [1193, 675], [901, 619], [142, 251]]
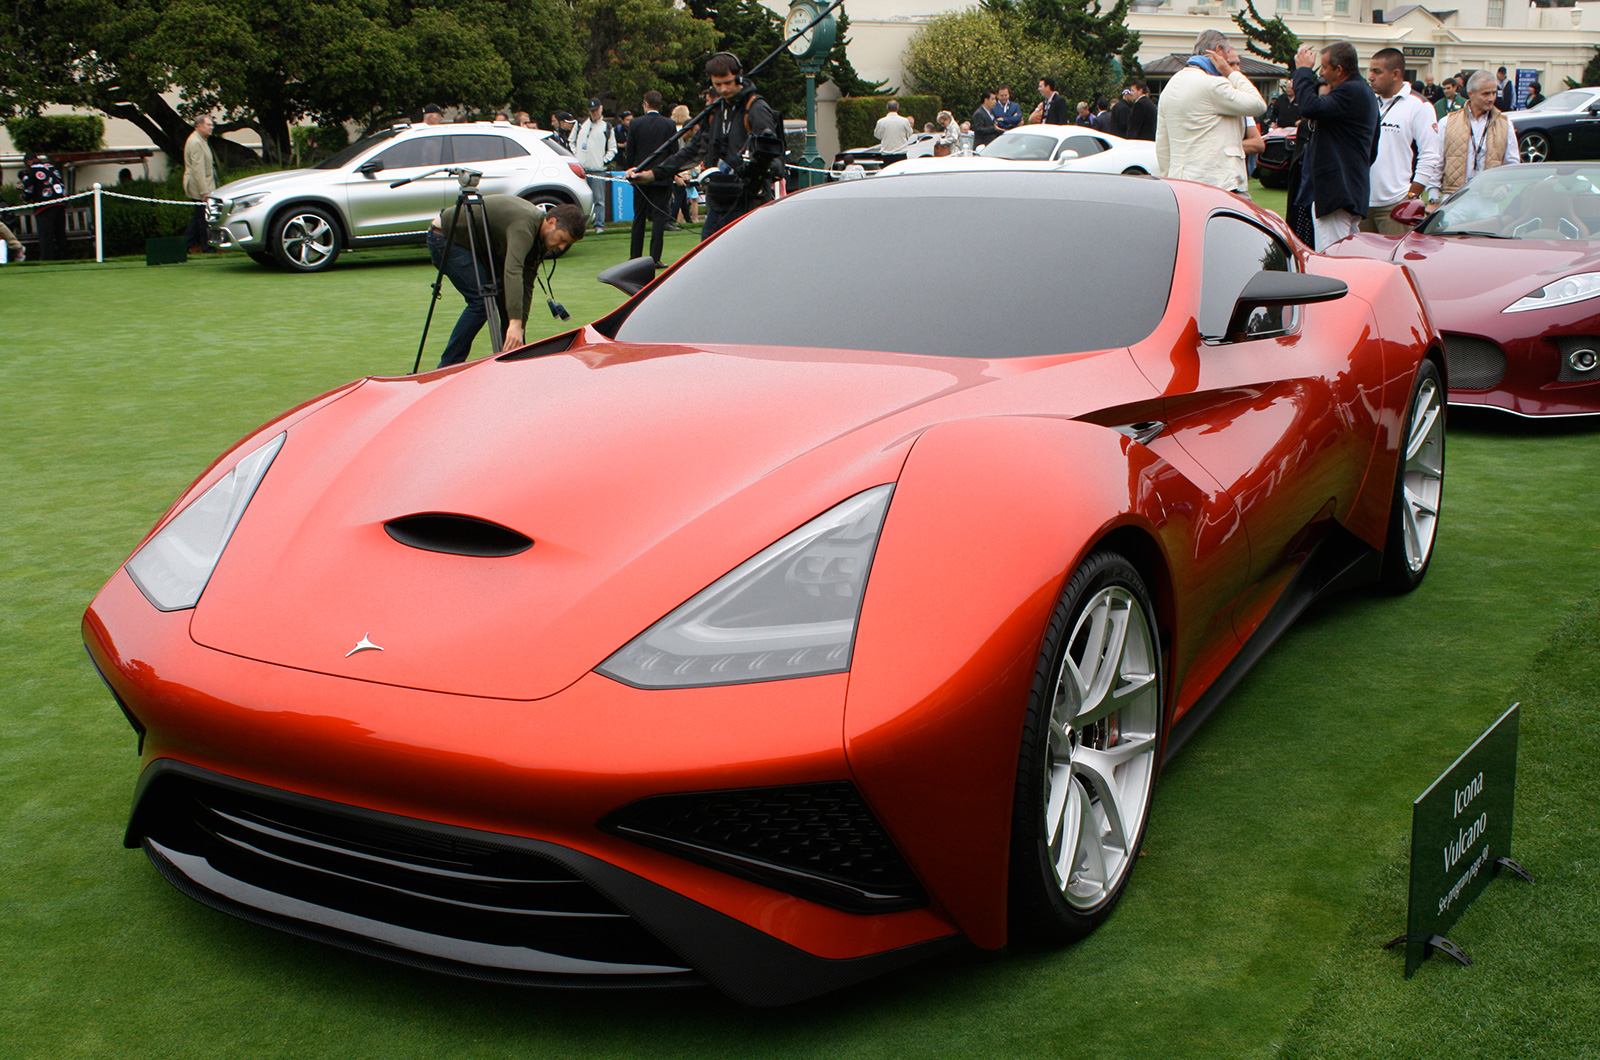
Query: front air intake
[[458, 535], [1472, 363], [817, 841]]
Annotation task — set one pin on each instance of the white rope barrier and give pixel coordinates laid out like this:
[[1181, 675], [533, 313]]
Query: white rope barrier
[[98, 194]]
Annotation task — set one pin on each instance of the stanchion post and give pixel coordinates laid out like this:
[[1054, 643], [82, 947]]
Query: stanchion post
[[99, 241]]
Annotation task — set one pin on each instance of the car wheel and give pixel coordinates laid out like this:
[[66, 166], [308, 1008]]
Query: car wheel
[[1135, 171], [1418, 487], [1535, 146], [262, 257], [1271, 178], [305, 239], [546, 198], [1087, 765]]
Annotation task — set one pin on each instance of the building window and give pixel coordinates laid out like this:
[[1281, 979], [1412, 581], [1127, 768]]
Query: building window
[[1305, 7], [1497, 13], [1286, 5], [1341, 7]]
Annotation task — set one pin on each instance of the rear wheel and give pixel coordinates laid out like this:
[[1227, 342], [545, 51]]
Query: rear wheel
[[305, 239], [1535, 146], [1087, 765], [1418, 487]]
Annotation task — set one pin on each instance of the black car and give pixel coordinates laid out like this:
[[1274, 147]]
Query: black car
[[1564, 128]]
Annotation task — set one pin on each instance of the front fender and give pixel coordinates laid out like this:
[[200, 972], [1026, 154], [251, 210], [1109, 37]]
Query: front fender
[[989, 517]]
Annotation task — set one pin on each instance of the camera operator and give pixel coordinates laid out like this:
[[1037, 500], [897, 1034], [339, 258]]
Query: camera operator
[[521, 235], [743, 145]]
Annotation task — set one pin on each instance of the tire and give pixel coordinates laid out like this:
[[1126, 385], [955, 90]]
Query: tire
[[1135, 171], [263, 257], [1087, 765], [1272, 178], [305, 239], [1418, 485], [1535, 146], [547, 198]]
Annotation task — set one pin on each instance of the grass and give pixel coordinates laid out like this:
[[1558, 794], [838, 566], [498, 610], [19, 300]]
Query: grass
[[1274, 863]]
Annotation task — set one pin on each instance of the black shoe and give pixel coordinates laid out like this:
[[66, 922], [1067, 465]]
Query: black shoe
[[660, 264], [674, 228]]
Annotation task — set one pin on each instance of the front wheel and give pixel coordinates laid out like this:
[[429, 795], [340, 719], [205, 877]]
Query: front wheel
[[1535, 146], [305, 239], [1135, 171], [1087, 765], [1418, 486]]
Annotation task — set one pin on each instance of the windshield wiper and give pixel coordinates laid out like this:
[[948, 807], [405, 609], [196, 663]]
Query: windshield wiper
[[1469, 232]]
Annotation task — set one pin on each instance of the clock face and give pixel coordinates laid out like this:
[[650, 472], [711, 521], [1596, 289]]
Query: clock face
[[799, 16]]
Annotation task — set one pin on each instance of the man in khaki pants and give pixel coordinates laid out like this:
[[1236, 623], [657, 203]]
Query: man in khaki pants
[[199, 180]]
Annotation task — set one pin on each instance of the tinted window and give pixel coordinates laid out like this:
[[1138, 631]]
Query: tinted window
[[1054, 264], [420, 151], [334, 161], [479, 148], [1022, 147], [1084, 145], [1235, 251]]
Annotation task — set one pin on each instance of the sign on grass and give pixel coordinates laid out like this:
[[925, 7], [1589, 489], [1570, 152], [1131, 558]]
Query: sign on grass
[[1460, 834]]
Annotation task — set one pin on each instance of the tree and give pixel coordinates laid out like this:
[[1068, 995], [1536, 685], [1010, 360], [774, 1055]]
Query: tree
[[1271, 40], [958, 56], [1080, 25], [752, 31], [633, 46]]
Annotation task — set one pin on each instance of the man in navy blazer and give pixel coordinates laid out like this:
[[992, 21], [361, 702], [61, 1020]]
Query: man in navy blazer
[[1336, 165]]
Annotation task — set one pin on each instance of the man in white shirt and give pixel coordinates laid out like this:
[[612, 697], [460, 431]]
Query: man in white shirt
[[1408, 142], [595, 144], [892, 131], [1472, 139], [1198, 132]]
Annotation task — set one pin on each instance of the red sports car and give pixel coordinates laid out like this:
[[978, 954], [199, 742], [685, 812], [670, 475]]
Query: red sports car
[[773, 632], [1510, 266]]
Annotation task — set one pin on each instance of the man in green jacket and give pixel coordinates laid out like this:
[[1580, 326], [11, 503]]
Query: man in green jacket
[[521, 235]]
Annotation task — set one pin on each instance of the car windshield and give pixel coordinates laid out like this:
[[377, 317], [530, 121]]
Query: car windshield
[[338, 159], [939, 264], [1565, 101], [1022, 147], [1560, 201]]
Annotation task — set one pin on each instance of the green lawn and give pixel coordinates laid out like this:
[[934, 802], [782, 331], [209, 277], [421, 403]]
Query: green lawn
[[1275, 857]]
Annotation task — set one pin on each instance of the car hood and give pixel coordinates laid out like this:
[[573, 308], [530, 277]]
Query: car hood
[[642, 474], [1467, 278], [282, 181]]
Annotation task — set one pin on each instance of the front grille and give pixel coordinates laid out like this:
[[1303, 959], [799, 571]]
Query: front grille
[[818, 841], [1472, 363], [213, 211], [420, 893], [1275, 155]]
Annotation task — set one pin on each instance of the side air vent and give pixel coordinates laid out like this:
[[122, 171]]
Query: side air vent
[[818, 841], [558, 344], [458, 535], [1473, 363]]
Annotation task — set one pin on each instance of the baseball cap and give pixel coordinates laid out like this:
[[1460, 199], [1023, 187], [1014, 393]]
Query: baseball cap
[[432, 108], [562, 115], [594, 104]]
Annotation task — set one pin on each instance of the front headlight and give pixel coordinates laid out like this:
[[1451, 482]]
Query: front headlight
[[245, 203], [173, 567], [788, 611], [1564, 291]]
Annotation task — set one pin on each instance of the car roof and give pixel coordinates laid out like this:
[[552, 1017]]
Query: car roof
[[1053, 186]]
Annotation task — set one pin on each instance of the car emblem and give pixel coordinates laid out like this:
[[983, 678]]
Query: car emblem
[[364, 644]]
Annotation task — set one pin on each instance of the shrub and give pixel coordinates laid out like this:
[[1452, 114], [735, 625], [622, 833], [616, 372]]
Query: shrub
[[51, 133], [960, 55], [126, 225], [857, 116]]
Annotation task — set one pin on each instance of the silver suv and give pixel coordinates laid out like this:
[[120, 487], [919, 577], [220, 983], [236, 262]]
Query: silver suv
[[301, 218]]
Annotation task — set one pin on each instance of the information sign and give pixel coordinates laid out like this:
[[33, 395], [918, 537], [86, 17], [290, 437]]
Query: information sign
[[1524, 89], [1460, 837]]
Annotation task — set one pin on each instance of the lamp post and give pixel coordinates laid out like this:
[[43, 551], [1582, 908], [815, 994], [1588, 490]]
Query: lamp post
[[811, 48]]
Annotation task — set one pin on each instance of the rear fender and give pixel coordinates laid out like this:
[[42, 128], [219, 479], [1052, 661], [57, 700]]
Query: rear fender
[[988, 519]]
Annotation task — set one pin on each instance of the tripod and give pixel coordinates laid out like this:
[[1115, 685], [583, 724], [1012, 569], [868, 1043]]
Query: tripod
[[471, 199]]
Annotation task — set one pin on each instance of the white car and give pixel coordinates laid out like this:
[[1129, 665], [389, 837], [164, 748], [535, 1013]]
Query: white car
[[1046, 147], [302, 218]]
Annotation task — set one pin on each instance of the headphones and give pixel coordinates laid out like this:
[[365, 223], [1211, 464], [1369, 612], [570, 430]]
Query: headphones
[[738, 67]]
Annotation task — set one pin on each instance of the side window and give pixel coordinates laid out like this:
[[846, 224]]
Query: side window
[[1235, 250], [477, 148], [1084, 145], [422, 151]]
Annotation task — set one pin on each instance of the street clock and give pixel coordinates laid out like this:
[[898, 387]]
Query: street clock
[[815, 43]]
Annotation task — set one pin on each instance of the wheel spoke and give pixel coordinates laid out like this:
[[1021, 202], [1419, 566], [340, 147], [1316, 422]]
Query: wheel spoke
[[1088, 880], [1055, 809], [1064, 848], [1099, 775]]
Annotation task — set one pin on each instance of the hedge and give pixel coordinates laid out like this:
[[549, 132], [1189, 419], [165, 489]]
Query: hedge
[[126, 225], [858, 116], [51, 133]]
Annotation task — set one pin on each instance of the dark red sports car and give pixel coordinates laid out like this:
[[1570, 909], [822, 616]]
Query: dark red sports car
[[770, 632], [1510, 266]]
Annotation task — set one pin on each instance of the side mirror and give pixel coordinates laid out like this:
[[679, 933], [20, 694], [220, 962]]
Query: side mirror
[[370, 167], [1066, 156], [631, 276], [1410, 213], [1270, 288]]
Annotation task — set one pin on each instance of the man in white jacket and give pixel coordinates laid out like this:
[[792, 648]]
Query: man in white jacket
[[1408, 143], [595, 144], [1199, 134]]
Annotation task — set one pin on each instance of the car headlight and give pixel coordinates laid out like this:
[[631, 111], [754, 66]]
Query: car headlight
[[173, 566], [1564, 291], [246, 202], [788, 611]]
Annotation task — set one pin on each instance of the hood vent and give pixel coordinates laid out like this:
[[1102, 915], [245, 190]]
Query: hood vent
[[458, 535]]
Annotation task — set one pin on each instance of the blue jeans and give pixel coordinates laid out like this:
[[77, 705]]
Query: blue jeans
[[456, 262]]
